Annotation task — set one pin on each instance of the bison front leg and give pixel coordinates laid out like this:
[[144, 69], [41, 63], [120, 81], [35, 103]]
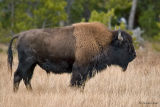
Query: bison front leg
[[79, 75]]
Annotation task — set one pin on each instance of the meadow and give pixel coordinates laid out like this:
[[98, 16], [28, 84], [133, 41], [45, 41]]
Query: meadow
[[139, 86]]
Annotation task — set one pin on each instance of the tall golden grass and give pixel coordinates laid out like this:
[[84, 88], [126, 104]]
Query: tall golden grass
[[139, 86]]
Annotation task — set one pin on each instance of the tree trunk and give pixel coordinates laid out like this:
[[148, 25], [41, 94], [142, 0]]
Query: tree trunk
[[86, 13], [44, 23], [12, 16], [68, 10], [132, 15]]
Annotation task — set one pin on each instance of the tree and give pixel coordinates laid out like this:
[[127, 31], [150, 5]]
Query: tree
[[68, 10], [102, 17], [132, 15], [81, 9], [49, 13], [148, 17], [19, 15]]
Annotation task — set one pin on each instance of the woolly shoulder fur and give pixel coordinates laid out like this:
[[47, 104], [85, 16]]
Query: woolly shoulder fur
[[90, 38]]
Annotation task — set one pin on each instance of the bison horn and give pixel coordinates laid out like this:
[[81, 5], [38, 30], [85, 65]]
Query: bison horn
[[120, 36]]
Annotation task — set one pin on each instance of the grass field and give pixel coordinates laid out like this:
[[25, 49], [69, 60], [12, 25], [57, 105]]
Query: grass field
[[139, 86]]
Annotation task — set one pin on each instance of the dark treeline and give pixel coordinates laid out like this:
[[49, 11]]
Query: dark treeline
[[20, 15]]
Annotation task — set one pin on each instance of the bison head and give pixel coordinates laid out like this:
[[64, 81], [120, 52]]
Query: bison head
[[121, 50]]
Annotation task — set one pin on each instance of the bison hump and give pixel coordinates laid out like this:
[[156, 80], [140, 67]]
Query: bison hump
[[90, 37], [95, 30]]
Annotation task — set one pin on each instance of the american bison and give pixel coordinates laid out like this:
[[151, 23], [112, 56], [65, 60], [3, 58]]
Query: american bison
[[79, 49]]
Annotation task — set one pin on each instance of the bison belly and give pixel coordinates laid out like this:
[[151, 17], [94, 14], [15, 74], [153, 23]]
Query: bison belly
[[56, 56], [58, 67]]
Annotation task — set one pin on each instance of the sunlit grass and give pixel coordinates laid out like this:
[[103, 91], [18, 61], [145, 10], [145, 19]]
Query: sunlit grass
[[139, 85]]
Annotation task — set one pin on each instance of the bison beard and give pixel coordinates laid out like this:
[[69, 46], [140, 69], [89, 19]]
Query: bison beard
[[81, 49]]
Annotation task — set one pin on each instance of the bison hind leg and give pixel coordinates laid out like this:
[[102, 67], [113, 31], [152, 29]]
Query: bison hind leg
[[25, 72], [17, 79], [28, 75]]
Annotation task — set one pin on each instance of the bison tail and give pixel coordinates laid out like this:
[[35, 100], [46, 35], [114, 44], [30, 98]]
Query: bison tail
[[10, 54]]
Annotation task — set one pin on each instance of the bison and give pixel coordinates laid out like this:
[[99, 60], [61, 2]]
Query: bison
[[80, 49]]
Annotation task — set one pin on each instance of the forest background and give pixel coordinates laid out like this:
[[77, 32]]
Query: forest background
[[20, 15]]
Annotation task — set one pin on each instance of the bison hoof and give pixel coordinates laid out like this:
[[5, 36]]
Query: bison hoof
[[81, 86], [77, 88], [29, 88], [15, 87]]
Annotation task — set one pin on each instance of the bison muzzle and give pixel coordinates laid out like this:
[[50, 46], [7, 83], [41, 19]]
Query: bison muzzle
[[81, 49]]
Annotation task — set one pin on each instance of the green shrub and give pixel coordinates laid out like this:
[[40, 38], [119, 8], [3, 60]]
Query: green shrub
[[156, 46], [157, 37], [4, 36], [102, 17], [148, 23], [1, 50]]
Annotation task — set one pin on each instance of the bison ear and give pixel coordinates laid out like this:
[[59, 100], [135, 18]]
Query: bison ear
[[120, 36]]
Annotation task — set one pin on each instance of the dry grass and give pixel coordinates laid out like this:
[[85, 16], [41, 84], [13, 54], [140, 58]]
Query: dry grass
[[139, 86]]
